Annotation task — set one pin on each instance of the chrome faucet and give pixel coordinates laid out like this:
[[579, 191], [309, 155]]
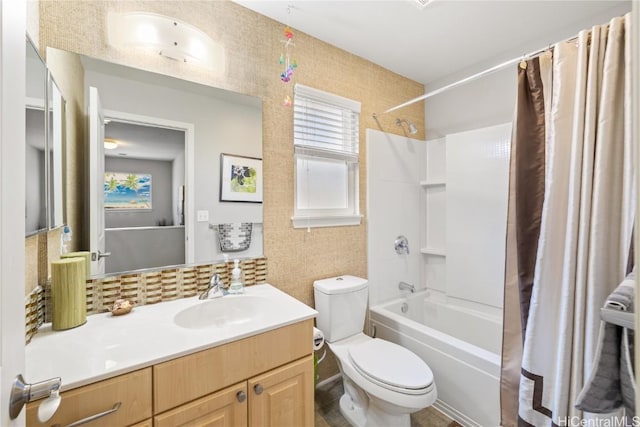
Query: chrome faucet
[[405, 285], [215, 285]]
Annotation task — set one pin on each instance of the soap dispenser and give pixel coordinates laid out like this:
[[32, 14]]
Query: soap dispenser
[[236, 286]]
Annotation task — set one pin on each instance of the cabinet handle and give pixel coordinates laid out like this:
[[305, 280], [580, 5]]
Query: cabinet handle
[[241, 396], [93, 417], [258, 389]]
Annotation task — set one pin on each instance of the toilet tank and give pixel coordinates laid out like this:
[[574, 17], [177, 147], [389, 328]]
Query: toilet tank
[[341, 303]]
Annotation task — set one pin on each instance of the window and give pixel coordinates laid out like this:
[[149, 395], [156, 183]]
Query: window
[[325, 137]]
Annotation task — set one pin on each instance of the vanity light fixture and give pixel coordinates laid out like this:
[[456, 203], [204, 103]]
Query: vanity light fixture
[[166, 36], [110, 144]]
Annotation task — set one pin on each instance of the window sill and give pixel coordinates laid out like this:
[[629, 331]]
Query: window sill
[[325, 221]]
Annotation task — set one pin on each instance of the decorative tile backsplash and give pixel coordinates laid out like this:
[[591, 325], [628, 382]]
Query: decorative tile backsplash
[[142, 288]]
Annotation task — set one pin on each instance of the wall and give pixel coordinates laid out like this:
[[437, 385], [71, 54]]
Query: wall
[[161, 191], [477, 187], [252, 46], [396, 166], [133, 249]]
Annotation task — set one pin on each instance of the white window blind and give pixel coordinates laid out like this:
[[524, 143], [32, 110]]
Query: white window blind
[[326, 137], [324, 121]]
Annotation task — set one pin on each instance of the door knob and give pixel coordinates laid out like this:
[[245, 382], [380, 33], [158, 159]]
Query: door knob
[[258, 389], [22, 393], [96, 256], [241, 396]]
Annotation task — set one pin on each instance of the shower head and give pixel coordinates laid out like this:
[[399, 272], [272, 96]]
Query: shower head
[[411, 127]]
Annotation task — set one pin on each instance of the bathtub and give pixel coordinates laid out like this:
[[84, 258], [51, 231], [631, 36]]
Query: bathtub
[[460, 345]]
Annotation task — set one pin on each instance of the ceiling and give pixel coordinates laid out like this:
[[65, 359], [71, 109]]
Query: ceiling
[[136, 141], [444, 41]]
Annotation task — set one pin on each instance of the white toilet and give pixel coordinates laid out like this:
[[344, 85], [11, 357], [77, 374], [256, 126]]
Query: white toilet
[[383, 382]]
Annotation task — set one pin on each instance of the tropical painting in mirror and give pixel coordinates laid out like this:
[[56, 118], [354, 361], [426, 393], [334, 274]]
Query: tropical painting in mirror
[[126, 190]]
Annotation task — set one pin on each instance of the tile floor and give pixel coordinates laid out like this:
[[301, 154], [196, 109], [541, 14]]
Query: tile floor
[[328, 411]]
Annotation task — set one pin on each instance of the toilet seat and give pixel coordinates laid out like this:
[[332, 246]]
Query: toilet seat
[[391, 366]]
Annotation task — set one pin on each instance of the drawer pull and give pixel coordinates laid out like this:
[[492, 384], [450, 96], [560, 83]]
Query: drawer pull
[[241, 396], [257, 388], [94, 417]]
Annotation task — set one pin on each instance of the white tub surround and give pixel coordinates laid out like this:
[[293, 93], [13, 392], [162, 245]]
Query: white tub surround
[[461, 346], [107, 346]]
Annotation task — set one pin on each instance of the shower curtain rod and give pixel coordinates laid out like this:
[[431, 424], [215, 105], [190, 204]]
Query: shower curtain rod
[[465, 80]]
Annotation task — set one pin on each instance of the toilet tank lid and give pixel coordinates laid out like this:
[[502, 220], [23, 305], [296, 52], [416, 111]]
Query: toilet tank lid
[[340, 285]]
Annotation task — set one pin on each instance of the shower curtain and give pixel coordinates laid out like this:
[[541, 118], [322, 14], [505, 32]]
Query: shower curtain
[[570, 219]]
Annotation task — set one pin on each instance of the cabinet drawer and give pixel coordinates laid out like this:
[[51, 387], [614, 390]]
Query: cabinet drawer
[[132, 390], [227, 407], [179, 381]]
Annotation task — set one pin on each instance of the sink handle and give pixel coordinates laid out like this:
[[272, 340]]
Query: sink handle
[[258, 389]]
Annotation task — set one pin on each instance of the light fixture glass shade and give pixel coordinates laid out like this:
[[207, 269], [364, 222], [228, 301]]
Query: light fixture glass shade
[[110, 144], [165, 36]]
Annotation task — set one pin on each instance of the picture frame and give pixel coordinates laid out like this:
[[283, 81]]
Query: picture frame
[[240, 178], [127, 191]]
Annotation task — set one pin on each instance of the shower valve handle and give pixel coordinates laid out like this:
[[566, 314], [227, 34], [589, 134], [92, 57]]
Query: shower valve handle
[[401, 245]]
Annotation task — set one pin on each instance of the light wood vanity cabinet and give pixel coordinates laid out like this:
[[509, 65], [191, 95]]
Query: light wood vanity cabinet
[[263, 380]]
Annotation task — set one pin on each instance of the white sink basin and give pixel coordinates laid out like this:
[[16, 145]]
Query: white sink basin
[[226, 311]]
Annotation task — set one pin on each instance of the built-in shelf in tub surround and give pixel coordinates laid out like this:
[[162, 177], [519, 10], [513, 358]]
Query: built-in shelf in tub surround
[[434, 251], [107, 346], [434, 183]]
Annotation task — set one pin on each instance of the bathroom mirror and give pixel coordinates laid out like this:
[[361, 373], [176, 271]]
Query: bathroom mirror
[[161, 182], [36, 142]]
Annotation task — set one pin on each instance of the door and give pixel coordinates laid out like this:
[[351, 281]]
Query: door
[[283, 397], [12, 200], [96, 183]]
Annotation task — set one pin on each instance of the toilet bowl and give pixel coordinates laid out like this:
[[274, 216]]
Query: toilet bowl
[[384, 383]]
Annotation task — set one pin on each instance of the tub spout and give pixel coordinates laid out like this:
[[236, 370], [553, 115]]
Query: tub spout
[[405, 285]]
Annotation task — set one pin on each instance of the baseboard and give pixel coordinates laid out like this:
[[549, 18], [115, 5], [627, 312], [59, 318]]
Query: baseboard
[[454, 414]]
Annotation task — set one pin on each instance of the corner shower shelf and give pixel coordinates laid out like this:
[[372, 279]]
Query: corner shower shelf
[[428, 184], [433, 251]]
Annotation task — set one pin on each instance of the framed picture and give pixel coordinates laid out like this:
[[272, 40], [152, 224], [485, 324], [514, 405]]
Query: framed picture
[[240, 179], [126, 190]]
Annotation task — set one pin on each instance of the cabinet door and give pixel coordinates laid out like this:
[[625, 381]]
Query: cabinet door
[[283, 397], [225, 408]]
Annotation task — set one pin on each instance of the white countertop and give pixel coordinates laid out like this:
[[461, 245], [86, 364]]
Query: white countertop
[[108, 345]]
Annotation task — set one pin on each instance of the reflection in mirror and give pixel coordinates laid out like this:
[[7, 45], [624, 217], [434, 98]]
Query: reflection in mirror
[[144, 178], [36, 181], [142, 106], [55, 141]]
